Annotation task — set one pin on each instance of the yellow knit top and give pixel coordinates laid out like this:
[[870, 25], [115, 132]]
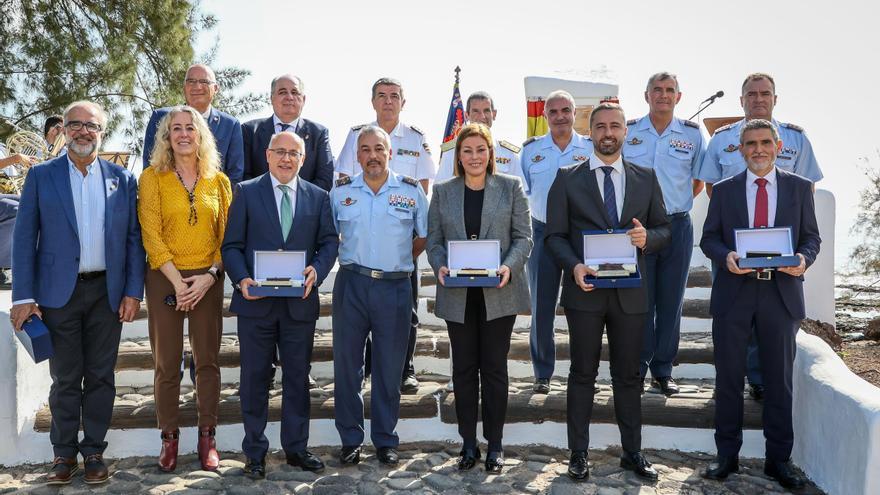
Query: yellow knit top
[[163, 209]]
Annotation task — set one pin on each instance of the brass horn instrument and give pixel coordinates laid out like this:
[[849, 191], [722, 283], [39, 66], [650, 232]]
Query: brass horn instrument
[[25, 143]]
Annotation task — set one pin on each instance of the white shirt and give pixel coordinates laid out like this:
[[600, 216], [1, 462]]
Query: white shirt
[[279, 194], [410, 153], [617, 179], [752, 192], [293, 125], [506, 162], [207, 113]]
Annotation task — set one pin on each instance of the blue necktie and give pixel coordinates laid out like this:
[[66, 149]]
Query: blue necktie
[[284, 126], [610, 198]]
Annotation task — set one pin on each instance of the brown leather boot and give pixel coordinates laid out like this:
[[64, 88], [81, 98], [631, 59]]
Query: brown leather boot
[[208, 455], [168, 456], [63, 469], [96, 470]]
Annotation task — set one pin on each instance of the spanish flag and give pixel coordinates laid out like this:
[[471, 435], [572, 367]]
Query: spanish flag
[[536, 123]]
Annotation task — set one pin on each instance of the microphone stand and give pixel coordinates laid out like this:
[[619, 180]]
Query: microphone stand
[[703, 107]]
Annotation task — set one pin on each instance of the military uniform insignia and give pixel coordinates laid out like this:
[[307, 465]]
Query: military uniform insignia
[[427, 149], [448, 145], [634, 141], [403, 152], [358, 127], [731, 148], [409, 180], [725, 128], [348, 201], [579, 158], [681, 146], [501, 160], [418, 131], [631, 122], [787, 154], [690, 123], [537, 158], [792, 127], [530, 140], [401, 203], [342, 181], [510, 146]]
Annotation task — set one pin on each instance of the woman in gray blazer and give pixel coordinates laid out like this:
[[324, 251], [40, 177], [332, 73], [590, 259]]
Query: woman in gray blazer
[[479, 204]]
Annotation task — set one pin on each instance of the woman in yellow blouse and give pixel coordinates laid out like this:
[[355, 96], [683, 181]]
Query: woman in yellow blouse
[[182, 207]]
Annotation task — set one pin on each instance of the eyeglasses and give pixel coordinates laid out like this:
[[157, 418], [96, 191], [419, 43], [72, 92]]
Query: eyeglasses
[[280, 153], [199, 82], [77, 125]]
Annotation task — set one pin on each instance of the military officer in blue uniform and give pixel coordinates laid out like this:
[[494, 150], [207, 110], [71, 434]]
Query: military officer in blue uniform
[[480, 108], [673, 148], [541, 157], [723, 160], [382, 218], [410, 156]]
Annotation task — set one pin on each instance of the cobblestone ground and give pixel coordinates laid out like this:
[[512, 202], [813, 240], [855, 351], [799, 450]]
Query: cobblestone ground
[[425, 468]]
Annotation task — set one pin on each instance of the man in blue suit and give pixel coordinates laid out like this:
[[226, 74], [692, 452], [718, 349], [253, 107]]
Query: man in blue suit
[[771, 301], [199, 88], [288, 98], [273, 212], [78, 263]]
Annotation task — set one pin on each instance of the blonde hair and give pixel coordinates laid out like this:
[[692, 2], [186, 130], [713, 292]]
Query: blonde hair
[[471, 130], [207, 157]]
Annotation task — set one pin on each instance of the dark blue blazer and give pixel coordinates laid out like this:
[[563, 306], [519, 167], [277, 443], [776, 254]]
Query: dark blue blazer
[[45, 243], [318, 165], [227, 133], [728, 211], [253, 225]]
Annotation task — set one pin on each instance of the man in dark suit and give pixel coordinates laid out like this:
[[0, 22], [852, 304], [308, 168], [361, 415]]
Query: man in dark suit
[[278, 211], [78, 263], [771, 301], [604, 192], [199, 88], [288, 98]]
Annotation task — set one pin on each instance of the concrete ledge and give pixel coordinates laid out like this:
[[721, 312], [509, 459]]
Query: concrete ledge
[[836, 421]]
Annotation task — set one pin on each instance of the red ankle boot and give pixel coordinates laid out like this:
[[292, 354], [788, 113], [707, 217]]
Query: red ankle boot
[[168, 456], [208, 455]]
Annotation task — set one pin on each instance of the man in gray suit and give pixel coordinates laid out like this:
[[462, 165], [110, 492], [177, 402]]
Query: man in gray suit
[[605, 192]]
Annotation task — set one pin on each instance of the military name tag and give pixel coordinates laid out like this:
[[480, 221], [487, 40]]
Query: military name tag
[[404, 152]]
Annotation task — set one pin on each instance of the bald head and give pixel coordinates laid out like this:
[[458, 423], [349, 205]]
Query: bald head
[[199, 87]]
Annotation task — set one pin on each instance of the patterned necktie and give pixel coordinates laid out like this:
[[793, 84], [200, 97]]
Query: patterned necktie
[[286, 211], [284, 126], [761, 215], [610, 198]]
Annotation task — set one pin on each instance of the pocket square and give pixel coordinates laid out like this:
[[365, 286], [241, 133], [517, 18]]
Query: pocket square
[[111, 184]]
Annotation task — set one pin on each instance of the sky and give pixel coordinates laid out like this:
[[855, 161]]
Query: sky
[[822, 55]]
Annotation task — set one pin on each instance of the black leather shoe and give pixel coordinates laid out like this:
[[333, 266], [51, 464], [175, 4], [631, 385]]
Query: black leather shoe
[[578, 469], [785, 473], [409, 384], [468, 458], [350, 455], [666, 385], [255, 468], [637, 463], [388, 456], [494, 462], [756, 392], [542, 386], [721, 467], [306, 460]]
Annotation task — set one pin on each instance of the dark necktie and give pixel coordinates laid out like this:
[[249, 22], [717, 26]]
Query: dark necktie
[[284, 126], [761, 215], [610, 198]]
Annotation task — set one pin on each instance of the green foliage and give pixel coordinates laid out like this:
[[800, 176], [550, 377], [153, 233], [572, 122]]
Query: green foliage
[[866, 256], [129, 55]]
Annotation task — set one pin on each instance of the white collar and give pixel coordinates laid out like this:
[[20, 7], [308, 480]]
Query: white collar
[[293, 125], [89, 168], [595, 163], [276, 182], [771, 176], [207, 114]]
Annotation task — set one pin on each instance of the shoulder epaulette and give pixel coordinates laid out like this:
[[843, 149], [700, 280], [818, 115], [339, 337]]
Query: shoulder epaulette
[[358, 127], [530, 140], [690, 123], [792, 127], [409, 180], [512, 147], [724, 128], [631, 122], [448, 145], [342, 181], [419, 131]]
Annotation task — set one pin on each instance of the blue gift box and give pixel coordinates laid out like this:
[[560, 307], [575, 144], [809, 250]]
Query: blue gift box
[[765, 240], [611, 247], [35, 338], [482, 254], [279, 264]]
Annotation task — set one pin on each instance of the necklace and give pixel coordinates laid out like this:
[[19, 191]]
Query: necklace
[[191, 194]]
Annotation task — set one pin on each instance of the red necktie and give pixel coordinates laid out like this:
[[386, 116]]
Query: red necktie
[[761, 204]]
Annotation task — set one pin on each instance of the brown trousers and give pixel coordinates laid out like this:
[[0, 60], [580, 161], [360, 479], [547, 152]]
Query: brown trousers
[[166, 341]]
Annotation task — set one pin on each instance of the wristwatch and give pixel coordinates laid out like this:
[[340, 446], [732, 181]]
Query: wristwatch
[[213, 271]]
